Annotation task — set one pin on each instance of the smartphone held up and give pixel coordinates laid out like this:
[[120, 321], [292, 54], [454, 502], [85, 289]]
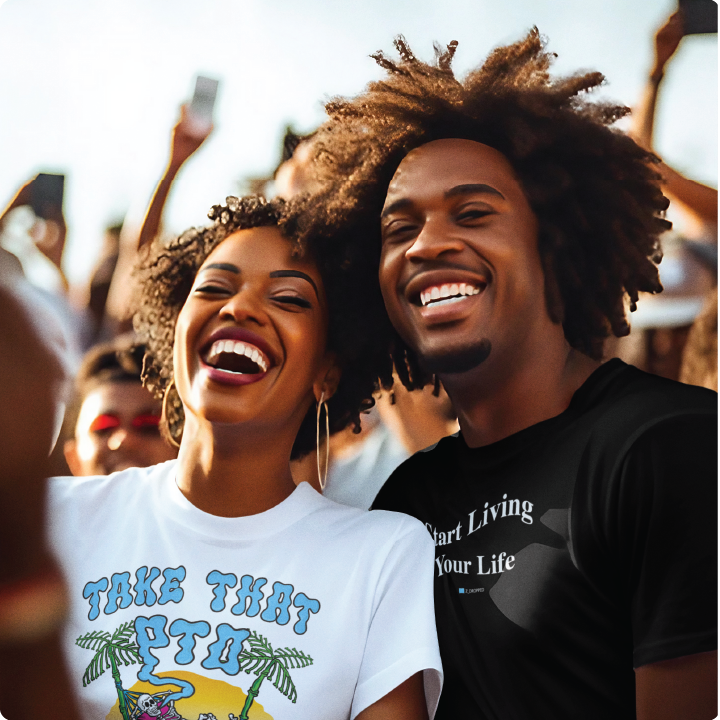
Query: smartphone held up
[[46, 195], [699, 16], [200, 109]]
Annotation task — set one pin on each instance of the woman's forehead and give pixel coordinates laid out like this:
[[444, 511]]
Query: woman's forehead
[[260, 248]]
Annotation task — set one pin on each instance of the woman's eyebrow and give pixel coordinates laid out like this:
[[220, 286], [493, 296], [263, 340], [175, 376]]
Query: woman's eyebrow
[[223, 266], [297, 274]]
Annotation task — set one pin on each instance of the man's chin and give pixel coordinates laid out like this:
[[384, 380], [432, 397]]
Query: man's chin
[[458, 360]]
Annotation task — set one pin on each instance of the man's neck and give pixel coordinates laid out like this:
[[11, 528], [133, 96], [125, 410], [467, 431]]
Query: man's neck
[[493, 402]]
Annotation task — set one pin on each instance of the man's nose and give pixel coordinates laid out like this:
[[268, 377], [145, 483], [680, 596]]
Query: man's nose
[[435, 239]]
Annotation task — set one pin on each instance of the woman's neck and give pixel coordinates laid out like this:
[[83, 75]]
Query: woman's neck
[[227, 472]]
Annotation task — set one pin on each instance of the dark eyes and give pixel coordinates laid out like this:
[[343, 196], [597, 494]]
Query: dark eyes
[[282, 299], [472, 214], [212, 290], [293, 300], [400, 230]]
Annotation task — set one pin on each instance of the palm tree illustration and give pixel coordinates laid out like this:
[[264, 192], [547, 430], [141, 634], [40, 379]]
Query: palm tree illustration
[[111, 650], [263, 661]]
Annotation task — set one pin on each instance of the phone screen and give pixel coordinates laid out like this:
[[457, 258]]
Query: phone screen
[[46, 195], [699, 16], [203, 102]]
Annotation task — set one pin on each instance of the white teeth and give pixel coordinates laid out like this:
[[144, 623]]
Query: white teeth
[[239, 348], [447, 291]]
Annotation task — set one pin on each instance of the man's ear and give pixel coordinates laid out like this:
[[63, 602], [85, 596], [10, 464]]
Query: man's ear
[[329, 382], [72, 458]]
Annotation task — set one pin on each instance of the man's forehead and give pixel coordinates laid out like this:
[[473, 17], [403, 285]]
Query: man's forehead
[[451, 162]]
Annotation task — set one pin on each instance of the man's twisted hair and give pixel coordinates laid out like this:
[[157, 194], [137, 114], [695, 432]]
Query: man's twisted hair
[[168, 273], [593, 189]]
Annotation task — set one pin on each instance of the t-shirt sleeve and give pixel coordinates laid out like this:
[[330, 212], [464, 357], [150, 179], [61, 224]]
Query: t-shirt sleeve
[[402, 639], [665, 537]]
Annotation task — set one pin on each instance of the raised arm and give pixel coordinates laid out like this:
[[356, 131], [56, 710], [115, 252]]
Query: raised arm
[[699, 199], [184, 141], [667, 39], [48, 235]]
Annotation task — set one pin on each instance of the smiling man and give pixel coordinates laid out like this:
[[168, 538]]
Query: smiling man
[[574, 515]]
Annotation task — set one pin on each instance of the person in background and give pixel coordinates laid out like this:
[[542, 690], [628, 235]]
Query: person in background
[[700, 355], [185, 140], [699, 200], [689, 269], [112, 421], [400, 424], [574, 516]]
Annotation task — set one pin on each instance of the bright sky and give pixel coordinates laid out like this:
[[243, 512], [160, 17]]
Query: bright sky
[[92, 88]]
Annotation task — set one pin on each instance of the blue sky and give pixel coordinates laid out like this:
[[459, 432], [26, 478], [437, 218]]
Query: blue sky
[[92, 87]]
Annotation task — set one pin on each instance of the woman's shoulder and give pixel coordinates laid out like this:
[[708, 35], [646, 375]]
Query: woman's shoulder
[[383, 525], [98, 488]]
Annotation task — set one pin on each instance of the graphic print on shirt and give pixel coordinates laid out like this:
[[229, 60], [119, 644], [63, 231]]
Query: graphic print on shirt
[[229, 650], [495, 563]]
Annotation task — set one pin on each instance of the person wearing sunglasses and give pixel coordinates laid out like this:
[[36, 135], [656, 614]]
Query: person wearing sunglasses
[[112, 422]]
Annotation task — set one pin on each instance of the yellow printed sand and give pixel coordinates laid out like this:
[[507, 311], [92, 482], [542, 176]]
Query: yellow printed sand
[[211, 696]]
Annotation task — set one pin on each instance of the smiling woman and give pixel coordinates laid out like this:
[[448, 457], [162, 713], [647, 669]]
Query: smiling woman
[[249, 339]]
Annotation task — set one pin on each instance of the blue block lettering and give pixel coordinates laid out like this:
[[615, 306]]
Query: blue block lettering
[[187, 632], [307, 605], [92, 592], [170, 590], [156, 625], [222, 582], [251, 590], [226, 634], [278, 604], [119, 594], [144, 594]]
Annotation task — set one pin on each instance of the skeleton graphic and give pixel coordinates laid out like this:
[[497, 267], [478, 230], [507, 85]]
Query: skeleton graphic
[[149, 708]]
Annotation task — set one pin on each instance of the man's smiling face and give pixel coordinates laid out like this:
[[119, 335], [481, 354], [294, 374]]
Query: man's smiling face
[[460, 270]]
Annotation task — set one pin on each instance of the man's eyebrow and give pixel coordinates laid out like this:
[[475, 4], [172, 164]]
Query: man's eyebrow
[[472, 189], [297, 274], [223, 266], [397, 205]]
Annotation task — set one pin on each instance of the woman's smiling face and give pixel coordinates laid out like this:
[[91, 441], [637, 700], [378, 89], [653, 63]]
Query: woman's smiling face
[[250, 341]]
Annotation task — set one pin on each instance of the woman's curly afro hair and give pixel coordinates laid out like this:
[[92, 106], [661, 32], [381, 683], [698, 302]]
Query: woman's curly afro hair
[[167, 275], [593, 189]]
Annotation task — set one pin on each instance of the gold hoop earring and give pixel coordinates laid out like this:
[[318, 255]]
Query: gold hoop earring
[[322, 477], [169, 434]]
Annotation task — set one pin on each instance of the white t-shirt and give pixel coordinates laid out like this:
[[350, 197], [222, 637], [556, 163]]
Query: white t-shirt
[[314, 609]]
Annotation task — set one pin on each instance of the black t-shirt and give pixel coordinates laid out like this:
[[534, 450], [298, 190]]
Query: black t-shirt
[[573, 551]]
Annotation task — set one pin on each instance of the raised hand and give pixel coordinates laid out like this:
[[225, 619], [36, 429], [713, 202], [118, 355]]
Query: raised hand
[[667, 39], [186, 138]]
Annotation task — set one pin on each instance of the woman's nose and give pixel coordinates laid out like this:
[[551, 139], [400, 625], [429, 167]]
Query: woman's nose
[[244, 306]]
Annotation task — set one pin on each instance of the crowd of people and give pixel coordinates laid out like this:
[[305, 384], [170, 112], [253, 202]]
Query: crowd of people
[[447, 307]]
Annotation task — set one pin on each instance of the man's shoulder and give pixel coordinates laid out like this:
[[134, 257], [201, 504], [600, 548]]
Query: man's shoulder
[[631, 399], [418, 475]]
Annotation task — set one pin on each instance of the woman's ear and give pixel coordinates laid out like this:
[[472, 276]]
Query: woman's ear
[[328, 383]]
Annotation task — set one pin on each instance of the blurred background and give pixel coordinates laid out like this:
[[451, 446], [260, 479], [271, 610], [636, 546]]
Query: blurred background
[[91, 88]]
